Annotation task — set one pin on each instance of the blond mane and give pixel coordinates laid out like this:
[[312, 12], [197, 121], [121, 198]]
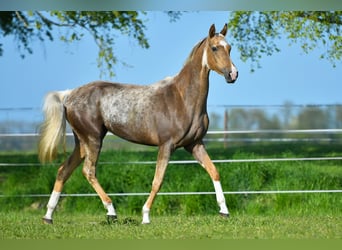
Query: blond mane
[[194, 49]]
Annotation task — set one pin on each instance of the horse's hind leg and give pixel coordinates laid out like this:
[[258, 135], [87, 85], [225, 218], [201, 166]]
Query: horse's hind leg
[[63, 174], [201, 155], [92, 151]]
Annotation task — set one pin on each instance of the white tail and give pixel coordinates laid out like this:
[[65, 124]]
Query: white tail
[[53, 128]]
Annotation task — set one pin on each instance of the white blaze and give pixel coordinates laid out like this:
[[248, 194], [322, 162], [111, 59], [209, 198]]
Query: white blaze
[[223, 43]]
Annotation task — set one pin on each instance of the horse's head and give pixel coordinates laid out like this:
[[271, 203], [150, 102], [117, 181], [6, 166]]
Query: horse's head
[[217, 55]]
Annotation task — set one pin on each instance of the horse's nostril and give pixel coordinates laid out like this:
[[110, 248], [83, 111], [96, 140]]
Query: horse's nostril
[[233, 74]]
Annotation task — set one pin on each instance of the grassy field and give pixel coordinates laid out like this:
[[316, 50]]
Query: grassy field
[[256, 216], [16, 225]]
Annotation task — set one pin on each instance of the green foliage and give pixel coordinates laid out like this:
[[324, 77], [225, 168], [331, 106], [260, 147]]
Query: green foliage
[[289, 116], [73, 26], [256, 33]]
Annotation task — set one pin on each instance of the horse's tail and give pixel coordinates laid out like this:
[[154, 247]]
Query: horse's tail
[[53, 128]]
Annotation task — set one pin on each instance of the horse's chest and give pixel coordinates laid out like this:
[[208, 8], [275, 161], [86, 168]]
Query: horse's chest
[[197, 131]]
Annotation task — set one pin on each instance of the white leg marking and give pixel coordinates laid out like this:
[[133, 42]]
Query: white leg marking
[[110, 208], [52, 204], [221, 201], [146, 215]]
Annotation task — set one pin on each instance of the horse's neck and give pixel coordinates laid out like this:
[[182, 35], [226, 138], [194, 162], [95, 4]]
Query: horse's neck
[[193, 83]]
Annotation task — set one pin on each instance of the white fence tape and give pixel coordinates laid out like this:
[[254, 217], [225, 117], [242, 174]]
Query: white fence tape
[[193, 162], [184, 193], [189, 161], [222, 132]]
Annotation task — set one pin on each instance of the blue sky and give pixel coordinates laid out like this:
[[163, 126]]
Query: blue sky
[[289, 75]]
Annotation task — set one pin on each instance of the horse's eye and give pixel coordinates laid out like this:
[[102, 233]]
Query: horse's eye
[[214, 48]]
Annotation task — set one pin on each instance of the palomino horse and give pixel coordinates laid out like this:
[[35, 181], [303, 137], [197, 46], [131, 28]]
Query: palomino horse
[[170, 114]]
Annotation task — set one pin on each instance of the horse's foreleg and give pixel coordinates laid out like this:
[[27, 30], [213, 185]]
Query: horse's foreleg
[[201, 155], [162, 161], [63, 175], [89, 171]]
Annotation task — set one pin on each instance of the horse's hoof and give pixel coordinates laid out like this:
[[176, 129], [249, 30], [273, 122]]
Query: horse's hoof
[[47, 221], [111, 219], [224, 215]]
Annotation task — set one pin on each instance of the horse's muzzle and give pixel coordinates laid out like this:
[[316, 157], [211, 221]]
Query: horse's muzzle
[[231, 76]]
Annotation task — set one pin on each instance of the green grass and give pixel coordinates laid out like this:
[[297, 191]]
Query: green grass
[[121, 178], [16, 225], [173, 217]]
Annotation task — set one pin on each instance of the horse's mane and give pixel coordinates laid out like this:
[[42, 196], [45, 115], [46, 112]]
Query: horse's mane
[[194, 49]]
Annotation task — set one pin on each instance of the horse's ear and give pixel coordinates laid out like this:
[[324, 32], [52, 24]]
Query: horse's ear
[[212, 31], [224, 30]]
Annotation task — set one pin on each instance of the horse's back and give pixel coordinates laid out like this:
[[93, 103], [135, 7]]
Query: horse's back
[[146, 114], [127, 110]]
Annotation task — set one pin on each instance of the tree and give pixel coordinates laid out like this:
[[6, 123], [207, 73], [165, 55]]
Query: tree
[[255, 33], [31, 25], [287, 111], [313, 117], [338, 112], [215, 120]]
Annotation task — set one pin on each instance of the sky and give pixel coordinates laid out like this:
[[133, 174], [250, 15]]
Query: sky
[[290, 75]]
